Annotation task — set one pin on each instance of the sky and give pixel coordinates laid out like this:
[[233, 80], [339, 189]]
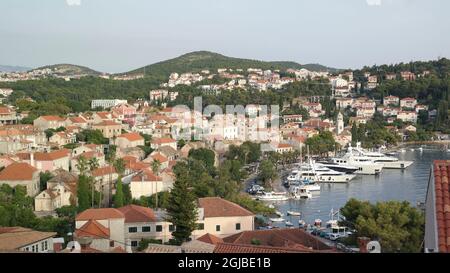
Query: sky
[[121, 35]]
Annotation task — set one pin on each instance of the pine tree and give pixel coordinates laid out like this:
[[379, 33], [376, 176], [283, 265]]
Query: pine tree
[[182, 208], [83, 193], [118, 198]]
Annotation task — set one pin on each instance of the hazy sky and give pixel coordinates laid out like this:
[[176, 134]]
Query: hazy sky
[[119, 35]]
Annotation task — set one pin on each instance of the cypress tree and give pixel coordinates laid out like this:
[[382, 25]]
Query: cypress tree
[[118, 198], [182, 208], [83, 194]]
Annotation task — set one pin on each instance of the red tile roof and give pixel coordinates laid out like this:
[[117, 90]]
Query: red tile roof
[[52, 155], [132, 136], [294, 238], [441, 180], [107, 123], [18, 171], [99, 214], [210, 239], [52, 118], [94, 229], [137, 214], [146, 176], [241, 249], [104, 171], [163, 140], [77, 120], [218, 207]]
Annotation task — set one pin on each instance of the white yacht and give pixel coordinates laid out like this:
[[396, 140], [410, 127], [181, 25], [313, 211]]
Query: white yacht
[[317, 173], [339, 167], [389, 162], [364, 164], [272, 196], [300, 192]]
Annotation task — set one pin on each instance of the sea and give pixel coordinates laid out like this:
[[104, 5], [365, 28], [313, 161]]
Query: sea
[[401, 185]]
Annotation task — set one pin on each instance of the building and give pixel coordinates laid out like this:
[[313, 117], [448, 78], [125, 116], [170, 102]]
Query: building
[[157, 143], [21, 174], [409, 103], [129, 140], [61, 191], [105, 227], [106, 103], [339, 124], [13, 239], [407, 116], [408, 76], [144, 223], [437, 209], [222, 218], [391, 100], [109, 128], [146, 183], [7, 116], [50, 161], [49, 122]]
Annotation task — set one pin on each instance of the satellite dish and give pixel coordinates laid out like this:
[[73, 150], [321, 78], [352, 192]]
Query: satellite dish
[[74, 247], [374, 247]]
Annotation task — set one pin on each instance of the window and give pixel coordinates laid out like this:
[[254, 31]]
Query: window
[[46, 245], [111, 243], [171, 228], [158, 228], [132, 229], [200, 226], [146, 229], [42, 246], [217, 227], [238, 226], [134, 243]]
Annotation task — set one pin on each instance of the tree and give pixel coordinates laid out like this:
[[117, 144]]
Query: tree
[[83, 193], [267, 172], [182, 208], [43, 179], [119, 197], [398, 226], [206, 156], [127, 197]]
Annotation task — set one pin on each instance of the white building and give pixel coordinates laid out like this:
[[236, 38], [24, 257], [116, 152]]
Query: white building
[[107, 103]]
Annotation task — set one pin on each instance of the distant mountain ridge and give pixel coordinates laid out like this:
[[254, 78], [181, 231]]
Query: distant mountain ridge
[[201, 60], [10, 68]]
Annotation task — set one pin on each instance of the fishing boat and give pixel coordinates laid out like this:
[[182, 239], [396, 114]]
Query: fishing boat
[[293, 213], [276, 220], [289, 224]]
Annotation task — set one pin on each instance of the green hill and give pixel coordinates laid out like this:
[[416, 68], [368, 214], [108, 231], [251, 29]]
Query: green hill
[[70, 70], [200, 60]]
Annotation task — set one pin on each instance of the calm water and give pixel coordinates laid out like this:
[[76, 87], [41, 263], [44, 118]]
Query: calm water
[[410, 185]]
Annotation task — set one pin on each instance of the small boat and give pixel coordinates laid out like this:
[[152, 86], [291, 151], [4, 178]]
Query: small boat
[[421, 149], [301, 223], [277, 220], [280, 214], [318, 223], [403, 151], [271, 206], [289, 224], [293, 213], [412, 150]]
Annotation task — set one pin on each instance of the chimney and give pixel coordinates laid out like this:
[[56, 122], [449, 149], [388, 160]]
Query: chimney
[[362, 242], [32, 159]]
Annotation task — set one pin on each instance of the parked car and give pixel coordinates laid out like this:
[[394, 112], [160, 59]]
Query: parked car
[[333, 236]]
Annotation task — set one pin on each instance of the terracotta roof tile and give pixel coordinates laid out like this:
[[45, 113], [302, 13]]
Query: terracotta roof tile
[[241, 249], [99, 214], [18, 171], [137, 214], [442, 194], [104, 171], [218, 207], [131, 136], [210, 239], [52, 118], [13, 238], [93, 229]]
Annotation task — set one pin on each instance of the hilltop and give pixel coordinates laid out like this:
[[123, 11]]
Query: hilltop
[[70, 70], [199, 60]]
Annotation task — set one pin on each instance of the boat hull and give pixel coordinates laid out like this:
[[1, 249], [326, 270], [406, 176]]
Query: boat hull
[[397, 165]]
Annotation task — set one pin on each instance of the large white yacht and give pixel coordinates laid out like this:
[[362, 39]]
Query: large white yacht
[[318, 173], [389, 162], [364, 164]]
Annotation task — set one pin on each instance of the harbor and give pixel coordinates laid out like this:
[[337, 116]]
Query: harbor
[[408, 184]]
